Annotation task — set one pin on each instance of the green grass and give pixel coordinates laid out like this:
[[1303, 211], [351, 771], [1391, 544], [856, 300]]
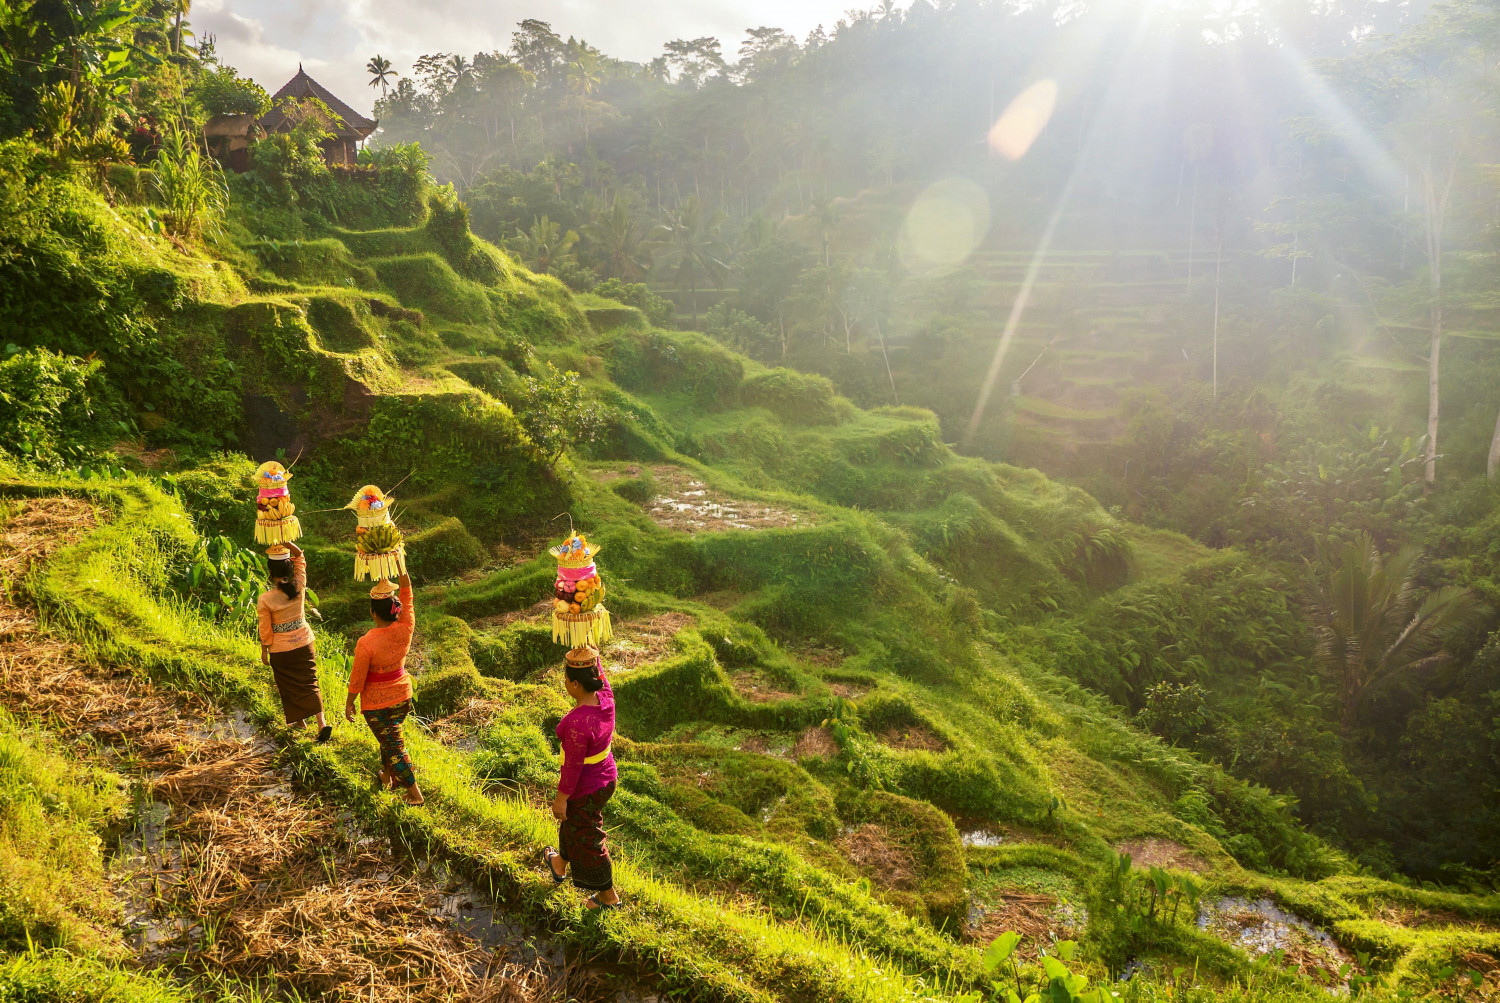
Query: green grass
[[53, 810]]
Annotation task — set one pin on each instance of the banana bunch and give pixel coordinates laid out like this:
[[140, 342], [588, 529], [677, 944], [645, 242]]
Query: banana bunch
[[276, 508], [377, 539]]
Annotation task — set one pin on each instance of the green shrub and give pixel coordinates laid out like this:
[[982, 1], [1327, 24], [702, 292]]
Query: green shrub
[[639, 489], [683, 362], [55, 409], [222, 91], [339, 324], [514, 654], [443, 550], [658, 310], [799, 398]]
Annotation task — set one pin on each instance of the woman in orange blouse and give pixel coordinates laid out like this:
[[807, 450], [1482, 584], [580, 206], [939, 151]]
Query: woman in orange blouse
[[380, 683], [286, 641]]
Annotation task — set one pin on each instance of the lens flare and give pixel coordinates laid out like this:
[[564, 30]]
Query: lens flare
[[1023, 120], [944, 225]]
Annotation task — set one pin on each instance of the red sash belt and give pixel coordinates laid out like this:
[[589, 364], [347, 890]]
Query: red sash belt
[[385, 677]]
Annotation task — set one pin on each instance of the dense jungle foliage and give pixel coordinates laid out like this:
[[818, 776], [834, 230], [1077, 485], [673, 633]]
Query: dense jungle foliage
[[1194, 619]]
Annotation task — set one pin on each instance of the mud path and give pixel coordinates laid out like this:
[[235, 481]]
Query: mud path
[[231, 870]]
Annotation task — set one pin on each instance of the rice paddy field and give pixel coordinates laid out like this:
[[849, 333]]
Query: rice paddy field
[[852, 764]]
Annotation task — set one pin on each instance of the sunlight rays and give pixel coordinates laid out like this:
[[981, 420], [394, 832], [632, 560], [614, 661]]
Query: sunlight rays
[[1044, 244]]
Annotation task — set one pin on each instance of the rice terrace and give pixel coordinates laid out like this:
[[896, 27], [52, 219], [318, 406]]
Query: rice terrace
[[953, 501]]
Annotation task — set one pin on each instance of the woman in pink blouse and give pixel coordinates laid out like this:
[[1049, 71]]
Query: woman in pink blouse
[[587, 782], [286, 641]]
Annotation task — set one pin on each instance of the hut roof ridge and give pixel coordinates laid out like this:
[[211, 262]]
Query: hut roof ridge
[[304, 86]]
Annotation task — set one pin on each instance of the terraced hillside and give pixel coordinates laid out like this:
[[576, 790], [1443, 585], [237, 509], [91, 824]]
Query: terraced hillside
[[848, 761]]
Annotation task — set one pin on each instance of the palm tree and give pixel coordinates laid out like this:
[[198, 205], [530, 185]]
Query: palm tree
[[691, 248], [584, 78], [459, 69], [379, 69], [1373, 620], [619, 244], [545, 246]]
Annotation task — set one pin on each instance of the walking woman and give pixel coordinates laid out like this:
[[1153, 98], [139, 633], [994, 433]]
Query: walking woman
[[286, 641], [587, 782], [380, 683]]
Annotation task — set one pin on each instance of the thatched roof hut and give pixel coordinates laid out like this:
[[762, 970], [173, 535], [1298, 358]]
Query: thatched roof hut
[[348, 132]]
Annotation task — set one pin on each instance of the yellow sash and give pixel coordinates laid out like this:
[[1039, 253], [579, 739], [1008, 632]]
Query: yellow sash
[[589, 760]]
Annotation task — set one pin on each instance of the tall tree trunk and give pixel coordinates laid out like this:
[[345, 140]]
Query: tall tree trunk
[[1433, 358], [1434, 204], [1192, 223], [1218, 269], [896, 398], [1493, 467]]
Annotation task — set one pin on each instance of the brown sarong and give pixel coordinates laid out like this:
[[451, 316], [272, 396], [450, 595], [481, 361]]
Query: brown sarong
[[580, 840], [296, 673]]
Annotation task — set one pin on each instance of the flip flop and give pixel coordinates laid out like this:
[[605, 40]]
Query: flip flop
[[547, 856], [601, 904], [324, 734]]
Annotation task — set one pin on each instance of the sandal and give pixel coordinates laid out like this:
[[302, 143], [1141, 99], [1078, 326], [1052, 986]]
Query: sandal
[[547, 856], [601, 904], [324, 734]]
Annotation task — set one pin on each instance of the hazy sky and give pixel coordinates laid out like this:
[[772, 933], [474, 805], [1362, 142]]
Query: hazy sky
[[334, 38]]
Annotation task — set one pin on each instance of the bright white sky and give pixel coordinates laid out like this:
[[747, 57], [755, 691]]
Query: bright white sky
[[334, 39]]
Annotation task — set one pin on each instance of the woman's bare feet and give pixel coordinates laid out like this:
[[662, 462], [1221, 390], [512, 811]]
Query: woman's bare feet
[[414, 795], [386, 780]]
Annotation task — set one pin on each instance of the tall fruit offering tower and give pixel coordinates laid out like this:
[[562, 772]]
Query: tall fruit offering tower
[[578, 614], [379, 550], [275, 518]]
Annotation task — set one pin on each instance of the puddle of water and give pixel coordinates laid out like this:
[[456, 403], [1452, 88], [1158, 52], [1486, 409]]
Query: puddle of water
[[982, 837], [1260, 926]]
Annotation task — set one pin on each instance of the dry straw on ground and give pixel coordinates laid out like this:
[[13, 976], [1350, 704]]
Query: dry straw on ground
[[871, 850], [1031, 914]]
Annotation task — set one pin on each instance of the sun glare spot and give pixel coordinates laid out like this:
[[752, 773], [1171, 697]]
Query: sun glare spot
[[945, 224], [1023, 120]]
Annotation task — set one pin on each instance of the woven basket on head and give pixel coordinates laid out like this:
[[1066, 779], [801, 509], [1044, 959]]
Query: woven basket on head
[[577, 629], [277, 530], [386, 564]]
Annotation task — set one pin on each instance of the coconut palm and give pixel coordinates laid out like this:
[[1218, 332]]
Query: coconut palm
[[619, 244], [381, 73], [1374, 621], [459, 70], [545, 246], [691, 248]]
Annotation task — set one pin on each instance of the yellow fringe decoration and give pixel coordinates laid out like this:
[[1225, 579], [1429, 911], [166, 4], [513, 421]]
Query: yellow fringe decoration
[[277, 530], [577, 629], [388, 564]]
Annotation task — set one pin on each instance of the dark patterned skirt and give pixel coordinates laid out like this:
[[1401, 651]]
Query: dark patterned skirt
[[580, 840], [386, 724], [296, 674]]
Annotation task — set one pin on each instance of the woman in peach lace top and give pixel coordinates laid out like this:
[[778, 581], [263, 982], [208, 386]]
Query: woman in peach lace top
[[286, 641], [380, 683]]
